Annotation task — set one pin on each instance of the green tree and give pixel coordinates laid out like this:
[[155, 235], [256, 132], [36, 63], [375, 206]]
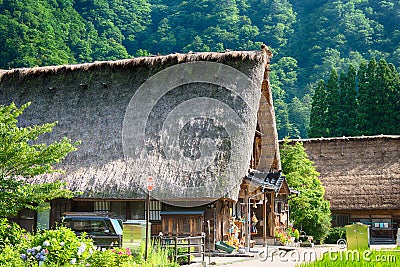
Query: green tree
[[299, 115], [39, 33], [385, 110], [309, 210], [284, 128], [286, 74], [23, 157], [348, 102], [317, 115], [363, 99], [332, 104], [274, 19], [363, 103], [368, 98], [292, 113]]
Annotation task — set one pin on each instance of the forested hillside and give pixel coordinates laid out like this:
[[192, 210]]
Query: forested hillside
[[308, 38]]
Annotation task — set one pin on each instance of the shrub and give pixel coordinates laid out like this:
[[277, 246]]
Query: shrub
[[156, 257], [12, 234], [34, 256], [61, 246], [181, 251], [10, 257], [122, 256], [113, 257], [281, 236], [335, 234], [102, 258]]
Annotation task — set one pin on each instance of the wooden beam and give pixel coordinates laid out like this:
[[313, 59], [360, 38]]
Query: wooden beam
[[265, 219]]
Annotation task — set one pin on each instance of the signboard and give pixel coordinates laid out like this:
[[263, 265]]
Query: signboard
[[150, 183]]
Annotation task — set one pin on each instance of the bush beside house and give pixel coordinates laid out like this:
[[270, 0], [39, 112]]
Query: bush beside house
[[61, 247]]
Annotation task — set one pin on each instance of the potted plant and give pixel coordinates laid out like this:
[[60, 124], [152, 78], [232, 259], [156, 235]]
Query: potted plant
[[281, 237], [296, 235]]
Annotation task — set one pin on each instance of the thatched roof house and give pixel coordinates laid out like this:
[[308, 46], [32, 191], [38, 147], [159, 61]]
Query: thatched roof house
[[361, 176], [193, 122], [96, 102]]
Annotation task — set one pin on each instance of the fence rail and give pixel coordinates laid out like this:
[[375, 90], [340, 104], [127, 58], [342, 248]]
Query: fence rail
[[187, 246]]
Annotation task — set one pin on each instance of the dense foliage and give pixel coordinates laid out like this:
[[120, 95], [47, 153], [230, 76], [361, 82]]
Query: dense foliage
[[22, 157], [308, 38], [363, 102], [309, 211], [62, 247], [335, 233]]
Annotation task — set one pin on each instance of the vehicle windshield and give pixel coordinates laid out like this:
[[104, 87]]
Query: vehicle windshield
[[117, 226]]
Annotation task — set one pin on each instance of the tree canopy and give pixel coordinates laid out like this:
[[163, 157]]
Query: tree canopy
[[309, 211], [23, 157], [359, 102]]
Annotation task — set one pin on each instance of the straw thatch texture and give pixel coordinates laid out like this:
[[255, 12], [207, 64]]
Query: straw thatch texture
[[90, 101], [359, 173]]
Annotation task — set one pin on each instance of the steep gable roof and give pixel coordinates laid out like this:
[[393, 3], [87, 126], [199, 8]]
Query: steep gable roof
[[90, 102]]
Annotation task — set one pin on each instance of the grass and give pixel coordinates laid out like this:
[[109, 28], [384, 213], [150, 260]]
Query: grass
[[350, 258]]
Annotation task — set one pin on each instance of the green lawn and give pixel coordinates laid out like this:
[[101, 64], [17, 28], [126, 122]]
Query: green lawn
[[373, 258]]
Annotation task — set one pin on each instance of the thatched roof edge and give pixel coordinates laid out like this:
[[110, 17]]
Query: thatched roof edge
[[150, 61], [328, 139]]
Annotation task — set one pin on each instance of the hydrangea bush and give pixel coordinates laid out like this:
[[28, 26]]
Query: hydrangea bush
[[62, 247]]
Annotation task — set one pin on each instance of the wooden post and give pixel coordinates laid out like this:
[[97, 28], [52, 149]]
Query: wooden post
[[247, 221], [265, 219], [209, 243], [176, 248], [147, 226], [273, 225]]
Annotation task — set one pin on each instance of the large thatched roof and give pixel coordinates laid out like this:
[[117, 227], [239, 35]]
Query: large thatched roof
[[111, 105], [359, 173]]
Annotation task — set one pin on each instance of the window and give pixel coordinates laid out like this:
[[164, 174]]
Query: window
[[43, 217], [102, 206], [382, 224], [342, 219], [137, 210], [25, 218], [118, 208], [155, 210], [278, 208], [97, 227], [88, 226]]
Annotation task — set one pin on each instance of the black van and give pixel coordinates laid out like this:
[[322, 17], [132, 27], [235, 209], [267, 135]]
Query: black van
[[103, 229]]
